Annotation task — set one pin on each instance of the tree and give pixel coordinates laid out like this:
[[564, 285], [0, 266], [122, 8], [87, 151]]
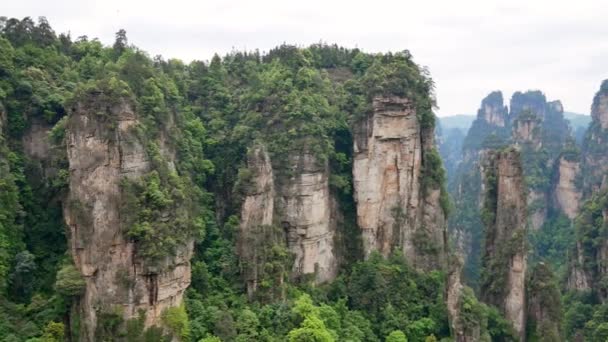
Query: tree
[[120, 44], [396, 336], [69, 281], [312, 330]]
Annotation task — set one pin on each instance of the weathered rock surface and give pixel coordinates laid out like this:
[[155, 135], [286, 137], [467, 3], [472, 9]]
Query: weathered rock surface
[[595, 154], [544, 305], [526, 130], [504, 256], [493, 111], [301, 205], [567, 194], [462, 331], [103, 149], [306, 206], [393, 210]]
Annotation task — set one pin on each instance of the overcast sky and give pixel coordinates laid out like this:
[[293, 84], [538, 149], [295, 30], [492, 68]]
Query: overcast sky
[[471, 47]]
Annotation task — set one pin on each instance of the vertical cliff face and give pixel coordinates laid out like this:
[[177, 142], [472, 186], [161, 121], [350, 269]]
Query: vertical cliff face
[[526, 130], [588, 268], [306, 216], [492, 120], [595, 155], [544, 314], [257, 214], [394, 211], [504, 259], [104, 151], [300, 205], [490, 129], [567, 193]]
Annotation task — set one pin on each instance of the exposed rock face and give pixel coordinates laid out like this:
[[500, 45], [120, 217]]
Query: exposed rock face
[[595, 155], [103, 149], [393, 211], [530, 101], [493, 111], [578, 279], [306, 207], [588, 268], [544, 305], [526, 130], [599, 110], [567, 194], [257, 211], [493, 119], [504, 256], [456, 294], [301, 205]]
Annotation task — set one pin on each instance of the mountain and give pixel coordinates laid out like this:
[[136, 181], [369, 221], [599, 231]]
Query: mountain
[[459, 121], [254, 197], [293, 195], [579, 123]]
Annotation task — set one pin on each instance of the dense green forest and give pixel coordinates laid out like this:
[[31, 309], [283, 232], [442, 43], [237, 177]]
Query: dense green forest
[[284, 97], [213, 114]]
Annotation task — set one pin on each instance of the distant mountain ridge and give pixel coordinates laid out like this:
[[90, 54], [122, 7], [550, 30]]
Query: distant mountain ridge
[[464, 121]]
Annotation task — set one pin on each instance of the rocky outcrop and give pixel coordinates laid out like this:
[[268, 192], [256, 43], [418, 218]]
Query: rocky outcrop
[[566, 192], [493, 111], [595, 155], [588, 268], [460, 302], [504, 259], [544, 305], [394, 210], [599, 109], [306, 205], [531, 101], [526, 130], [578, 278], [104, 150], [257, 213], [298, 200]]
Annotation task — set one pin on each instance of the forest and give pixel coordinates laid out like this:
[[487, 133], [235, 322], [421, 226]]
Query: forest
[[193, 139]]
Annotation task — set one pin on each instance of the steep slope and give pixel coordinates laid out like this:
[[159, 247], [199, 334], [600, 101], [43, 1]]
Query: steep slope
[[300, 206], [595, 156], [396, 209], [123, 280], [489, 130], [504, 258]]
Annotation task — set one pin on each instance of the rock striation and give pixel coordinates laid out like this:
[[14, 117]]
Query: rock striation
[[595, 155], [394, 210], [297, 200], [567, 192], [103, 150], [504, 258]]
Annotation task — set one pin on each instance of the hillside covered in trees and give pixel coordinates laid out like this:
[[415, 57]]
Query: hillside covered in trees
[[290, 195]]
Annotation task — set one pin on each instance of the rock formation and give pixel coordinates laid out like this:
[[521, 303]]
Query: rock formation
[[543, 298], [300, 204], [104, 150], [489, 130], [567, 192], [394, 210], [595, 154], [504, 258]]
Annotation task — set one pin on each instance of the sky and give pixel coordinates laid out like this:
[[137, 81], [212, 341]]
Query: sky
[[471, 47]]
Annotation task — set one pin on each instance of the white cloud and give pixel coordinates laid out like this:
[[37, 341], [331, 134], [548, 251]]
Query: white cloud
[[471, 46]]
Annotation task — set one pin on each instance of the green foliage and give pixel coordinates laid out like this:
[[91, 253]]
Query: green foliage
[[550, 241], [70, 282], [433, 177], [313, 328], [176, 319], [196, 122], [396, 336]]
